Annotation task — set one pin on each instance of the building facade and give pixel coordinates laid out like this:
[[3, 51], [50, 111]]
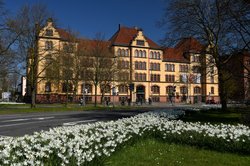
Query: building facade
[[183, 73], [238, 74]]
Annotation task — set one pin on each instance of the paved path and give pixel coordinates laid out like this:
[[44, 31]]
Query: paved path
[[21, 124]]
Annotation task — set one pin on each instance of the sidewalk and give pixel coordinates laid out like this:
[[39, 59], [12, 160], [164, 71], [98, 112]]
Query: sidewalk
[[179, 105]]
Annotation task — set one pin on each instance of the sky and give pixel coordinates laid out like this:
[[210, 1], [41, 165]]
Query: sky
[[89, 17]]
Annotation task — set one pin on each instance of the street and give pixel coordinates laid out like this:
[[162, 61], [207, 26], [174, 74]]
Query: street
[[21, 124]]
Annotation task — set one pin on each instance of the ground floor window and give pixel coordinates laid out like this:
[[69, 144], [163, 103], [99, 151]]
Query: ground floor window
[[123, 89], [155, 98], [107, 98], [123, 98], [155, 89], [197, 90]]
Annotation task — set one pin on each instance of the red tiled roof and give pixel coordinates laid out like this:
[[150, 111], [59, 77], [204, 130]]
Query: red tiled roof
[[63, 33], [124, 36], [177, 54], [189, 44], [88, 44], [174, 55]]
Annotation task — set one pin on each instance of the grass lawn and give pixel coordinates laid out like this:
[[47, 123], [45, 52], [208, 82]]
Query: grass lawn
[[151, 152], [25, 108], [232, 116]]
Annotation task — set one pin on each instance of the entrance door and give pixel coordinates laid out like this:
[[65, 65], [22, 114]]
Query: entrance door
[[140, 93]]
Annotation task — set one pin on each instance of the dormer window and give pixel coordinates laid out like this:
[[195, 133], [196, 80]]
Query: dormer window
[[140, 42], [49, 32]]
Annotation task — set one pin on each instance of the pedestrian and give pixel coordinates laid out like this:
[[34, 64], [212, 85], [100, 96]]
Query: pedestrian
[[149, 101], [141, 100], [122, 102], [81, 101], [129, 101], [107, 102]]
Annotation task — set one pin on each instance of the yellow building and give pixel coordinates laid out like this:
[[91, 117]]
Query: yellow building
[[179, 74]]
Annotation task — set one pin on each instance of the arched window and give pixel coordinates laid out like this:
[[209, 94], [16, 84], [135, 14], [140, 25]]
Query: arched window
[[67, 87], [136, 65], [140, 65], [105, 88], [123, 52], [140, 53], [123, 88], [155, 89], [136, 53], [151, 54], [158, 55], [126, 52], [197, 90], [155, 55], [144, 54], [144, 65], [169, 89], [88, 88], [184, 90], [119, 52]]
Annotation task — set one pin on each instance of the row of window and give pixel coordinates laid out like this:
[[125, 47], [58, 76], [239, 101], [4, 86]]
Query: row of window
[[140, 54], [68, 48], [140, 77], [155, 66], [182, 68], [195, 58], [171, 78], [124, 89], [143, 66], [170, 67], [140, 65], [123, 64], [143, 54], [155, 77], [155, 55], [122, 52]]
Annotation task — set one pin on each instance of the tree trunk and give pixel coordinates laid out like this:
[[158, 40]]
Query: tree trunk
[[67, 93], [33, 97], [222, 90], [95, 95]]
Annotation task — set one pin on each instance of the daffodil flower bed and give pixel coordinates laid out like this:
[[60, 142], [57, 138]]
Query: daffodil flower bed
[[91, 143]]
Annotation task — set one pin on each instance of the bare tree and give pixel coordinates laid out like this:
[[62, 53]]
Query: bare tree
[[69, 65], [211, 23], [8, 37], [101, 67], [30, 19]]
